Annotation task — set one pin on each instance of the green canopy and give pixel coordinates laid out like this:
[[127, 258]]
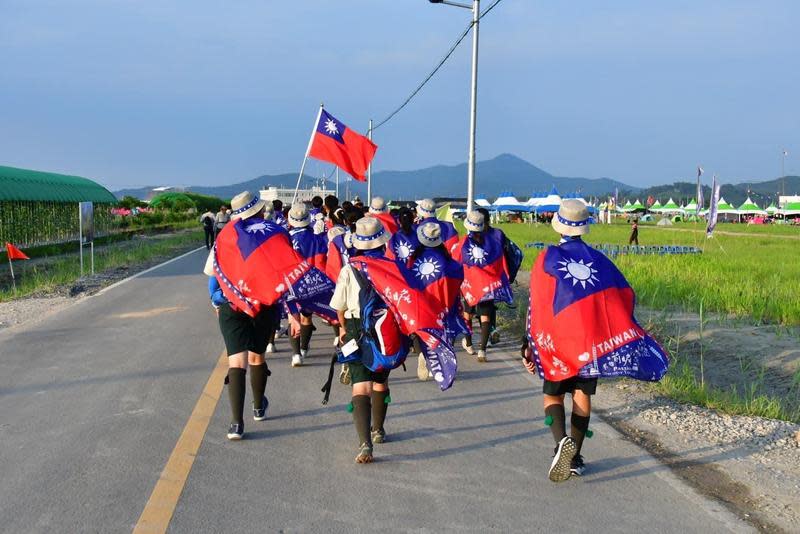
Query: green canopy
[[655, 205], [771, 209], [791, 208], [723, 206], [691, 206], [670, 206], [637, 206], [750, 208], [33, 186]]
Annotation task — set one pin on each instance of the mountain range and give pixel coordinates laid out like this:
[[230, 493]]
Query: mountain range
[[505, 172]]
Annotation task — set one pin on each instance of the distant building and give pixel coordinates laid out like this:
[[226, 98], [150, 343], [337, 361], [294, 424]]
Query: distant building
[[286, 195]]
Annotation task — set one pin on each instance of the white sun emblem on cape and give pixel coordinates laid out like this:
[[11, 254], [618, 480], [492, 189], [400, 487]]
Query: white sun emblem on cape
[[330, 127], [477, 254], [257, 227], [427, 269], [580, 272], [403, 251]]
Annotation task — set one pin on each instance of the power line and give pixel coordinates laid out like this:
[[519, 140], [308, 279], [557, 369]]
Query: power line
[[436, 69]]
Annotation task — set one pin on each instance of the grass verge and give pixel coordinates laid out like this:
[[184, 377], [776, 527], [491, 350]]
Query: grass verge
[[49, 276]]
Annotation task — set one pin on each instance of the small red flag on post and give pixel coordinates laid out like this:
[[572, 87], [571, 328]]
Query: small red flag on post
[[14, 253], [336, 143]]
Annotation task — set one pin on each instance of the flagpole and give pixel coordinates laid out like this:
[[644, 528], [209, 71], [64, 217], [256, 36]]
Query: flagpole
[[369, 168], [337, 181], [13, 280], [308, 149]]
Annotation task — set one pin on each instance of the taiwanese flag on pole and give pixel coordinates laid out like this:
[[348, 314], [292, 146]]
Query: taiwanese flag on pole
[[335, 143]]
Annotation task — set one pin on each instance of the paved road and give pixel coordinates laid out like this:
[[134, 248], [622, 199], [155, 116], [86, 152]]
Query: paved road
[[95, 397]]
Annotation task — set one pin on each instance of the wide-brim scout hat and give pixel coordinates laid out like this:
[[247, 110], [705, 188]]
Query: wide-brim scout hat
[[572, 218], [299, 216], [370, 234], [378, 205], [245, 205], [426, 208], [430, 234], [474, 222]]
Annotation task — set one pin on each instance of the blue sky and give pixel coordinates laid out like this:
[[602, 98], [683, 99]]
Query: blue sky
[[133, 93]]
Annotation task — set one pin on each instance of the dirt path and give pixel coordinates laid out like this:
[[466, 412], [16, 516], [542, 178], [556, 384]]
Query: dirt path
[[723, 232]]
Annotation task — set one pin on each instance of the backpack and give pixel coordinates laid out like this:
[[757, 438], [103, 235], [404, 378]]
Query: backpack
[[382, 345]]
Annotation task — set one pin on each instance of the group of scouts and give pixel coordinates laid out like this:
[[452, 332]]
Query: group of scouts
[[319, 260]]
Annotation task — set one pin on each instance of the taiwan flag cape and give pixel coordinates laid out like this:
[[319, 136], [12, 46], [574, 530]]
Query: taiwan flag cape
[[581, 319], [449, 233], [402, 245], [441, 279], [256, 265], [312, 247], [338, 253], [414, 299], [485, 269]]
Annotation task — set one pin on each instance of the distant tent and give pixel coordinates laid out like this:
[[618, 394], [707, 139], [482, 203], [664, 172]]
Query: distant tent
[[792, 208], [750, 208], [535, 200], [655, 207], [637, 206], [550, 203], [626, 207], [691, 206], [508, 202], [724, 207], [646, 218], [670, 207], [664, 222], [677, 218], [482, 202], [771, 209]]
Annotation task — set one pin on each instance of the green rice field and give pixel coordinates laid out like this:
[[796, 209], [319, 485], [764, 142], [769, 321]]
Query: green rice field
[[754, 276]]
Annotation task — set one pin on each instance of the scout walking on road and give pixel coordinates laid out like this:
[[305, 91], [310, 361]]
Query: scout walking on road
[[207, 220], [581, 327], [426, 212], [370, 389], [313, 248], [486, 277], [221, 219], [404, 241], [245, 335]]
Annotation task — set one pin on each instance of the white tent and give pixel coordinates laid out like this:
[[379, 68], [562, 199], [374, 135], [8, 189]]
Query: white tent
[[483, 203], [508, 202], [551, 202]]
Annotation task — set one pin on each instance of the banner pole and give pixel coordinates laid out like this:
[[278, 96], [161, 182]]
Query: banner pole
[[80, 236], [92, 249], [337, 181], [369, 169], [308, 149], [13, 280]]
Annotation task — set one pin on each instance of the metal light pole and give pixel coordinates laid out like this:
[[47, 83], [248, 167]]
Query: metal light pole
[[369, 169], [783, 170], [473, 110]]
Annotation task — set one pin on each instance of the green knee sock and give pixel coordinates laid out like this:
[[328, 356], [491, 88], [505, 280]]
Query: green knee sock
[[236, 390], [379, 407], [361, 417]]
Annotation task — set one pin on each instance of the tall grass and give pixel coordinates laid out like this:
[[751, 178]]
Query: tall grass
[[754, 276], [46, 277]]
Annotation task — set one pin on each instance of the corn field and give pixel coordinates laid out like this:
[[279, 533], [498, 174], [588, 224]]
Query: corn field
[[29, 224]]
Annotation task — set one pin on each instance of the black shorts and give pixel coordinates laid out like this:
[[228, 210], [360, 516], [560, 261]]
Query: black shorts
[[482, 308], [556, 389], [244, 333]]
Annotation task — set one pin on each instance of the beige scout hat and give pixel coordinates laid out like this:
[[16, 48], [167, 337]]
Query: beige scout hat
[[369, 234], [572, 218], [474, 221], [245, 205], [430, 234], [299, 216], [378, 205], [426, 208]]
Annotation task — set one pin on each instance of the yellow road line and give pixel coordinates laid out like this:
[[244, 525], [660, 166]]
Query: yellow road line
[[160, 506]]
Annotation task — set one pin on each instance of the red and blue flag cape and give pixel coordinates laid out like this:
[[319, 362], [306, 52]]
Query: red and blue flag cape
[[338, 256], [336, 143], [387, 220], [485, 269], [312, 247], [417, 300], [441, 278], [255, 265], [449, 233], [402, 245], [581, 320]]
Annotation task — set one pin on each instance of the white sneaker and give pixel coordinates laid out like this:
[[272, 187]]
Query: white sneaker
[[297, 360], [335, 341], [481, 355], [422, 369], [467, 348], [270, 347]]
